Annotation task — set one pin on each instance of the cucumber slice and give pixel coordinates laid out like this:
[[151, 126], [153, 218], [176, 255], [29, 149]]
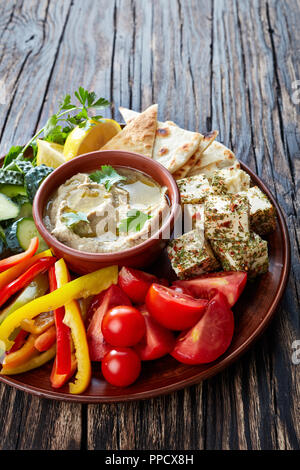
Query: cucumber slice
[[8, 208], [21, 232], [11, 190], [26, 210]]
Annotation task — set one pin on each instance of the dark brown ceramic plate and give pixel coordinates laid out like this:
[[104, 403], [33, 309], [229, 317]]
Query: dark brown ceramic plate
[[253, 312]]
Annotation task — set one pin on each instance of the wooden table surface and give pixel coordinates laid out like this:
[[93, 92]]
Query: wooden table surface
[[210, 64]]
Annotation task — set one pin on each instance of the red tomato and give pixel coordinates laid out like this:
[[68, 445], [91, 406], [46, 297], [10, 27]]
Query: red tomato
[[230, 283], [173, 309], [157, 342], [135, 283], [210, 338], [113, 296], [123, 326], [121, 367]]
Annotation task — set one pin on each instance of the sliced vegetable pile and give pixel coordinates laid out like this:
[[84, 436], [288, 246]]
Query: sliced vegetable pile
[[131, 316], [25, 168]]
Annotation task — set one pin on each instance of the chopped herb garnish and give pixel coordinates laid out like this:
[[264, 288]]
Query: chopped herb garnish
[[107, 176], [73, 218], [135, 221]]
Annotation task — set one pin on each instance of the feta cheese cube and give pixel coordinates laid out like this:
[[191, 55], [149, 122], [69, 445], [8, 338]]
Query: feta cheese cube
[[262, 212], [191, 255], [229, 180], [250, 256], [194, 189], [227, 217]]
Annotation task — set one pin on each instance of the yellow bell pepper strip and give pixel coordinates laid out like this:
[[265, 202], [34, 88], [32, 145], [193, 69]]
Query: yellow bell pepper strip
[[36, 288], [46, 339], [40, 324], [22, 355], [74, 321], [33, 363], [84, 286], [16, 259], [12, 273]]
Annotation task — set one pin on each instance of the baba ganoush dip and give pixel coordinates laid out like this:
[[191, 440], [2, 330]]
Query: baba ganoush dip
[[106, 211]]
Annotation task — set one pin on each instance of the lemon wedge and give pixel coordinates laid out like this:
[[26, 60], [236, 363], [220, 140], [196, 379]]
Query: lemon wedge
[[81, 141], [49, 153]]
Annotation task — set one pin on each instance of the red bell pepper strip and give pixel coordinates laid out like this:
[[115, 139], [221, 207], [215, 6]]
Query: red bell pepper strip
[[16, 259], [19, 341], [63, 334], [58, 380], [46, 339], [41, 266]]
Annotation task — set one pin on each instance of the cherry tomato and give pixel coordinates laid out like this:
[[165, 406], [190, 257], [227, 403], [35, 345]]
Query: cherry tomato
[[173, 309], [121, 367], [230, 283], [157, 342], [111, 297], [210, 337], [123, 326], [135, 283]]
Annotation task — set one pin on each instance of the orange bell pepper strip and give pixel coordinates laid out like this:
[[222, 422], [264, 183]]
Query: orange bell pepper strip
[[40, 324], [84, 286], [32, 363], [16, 259], [46, 339], [58, 380], [74, 321], [12, 273], [17, 358]]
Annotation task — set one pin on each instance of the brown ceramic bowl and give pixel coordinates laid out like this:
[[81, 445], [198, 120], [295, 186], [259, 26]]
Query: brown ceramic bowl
[[139, 256]]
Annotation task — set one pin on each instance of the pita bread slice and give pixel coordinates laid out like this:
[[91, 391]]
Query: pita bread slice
[[173, 146], [214, 155], [205, 141], [138, 136], [214, 166], [128, 114]]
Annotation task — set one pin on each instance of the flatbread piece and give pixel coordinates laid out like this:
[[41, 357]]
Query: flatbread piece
[[173, 146], [138, 136]]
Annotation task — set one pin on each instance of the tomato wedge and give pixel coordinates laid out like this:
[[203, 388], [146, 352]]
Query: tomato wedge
[[230, 283], [157, 341], [135, 283], [173, 309], [210, 337], [98, 347]]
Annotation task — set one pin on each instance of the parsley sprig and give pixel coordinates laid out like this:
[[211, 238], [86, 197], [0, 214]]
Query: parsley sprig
[[107, 176], [73, 218], [60, 124]]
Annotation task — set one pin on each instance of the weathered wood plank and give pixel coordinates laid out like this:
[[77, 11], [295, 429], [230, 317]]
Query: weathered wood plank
[[30, 35], [31, 423], [209, 64], [30, 39]]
